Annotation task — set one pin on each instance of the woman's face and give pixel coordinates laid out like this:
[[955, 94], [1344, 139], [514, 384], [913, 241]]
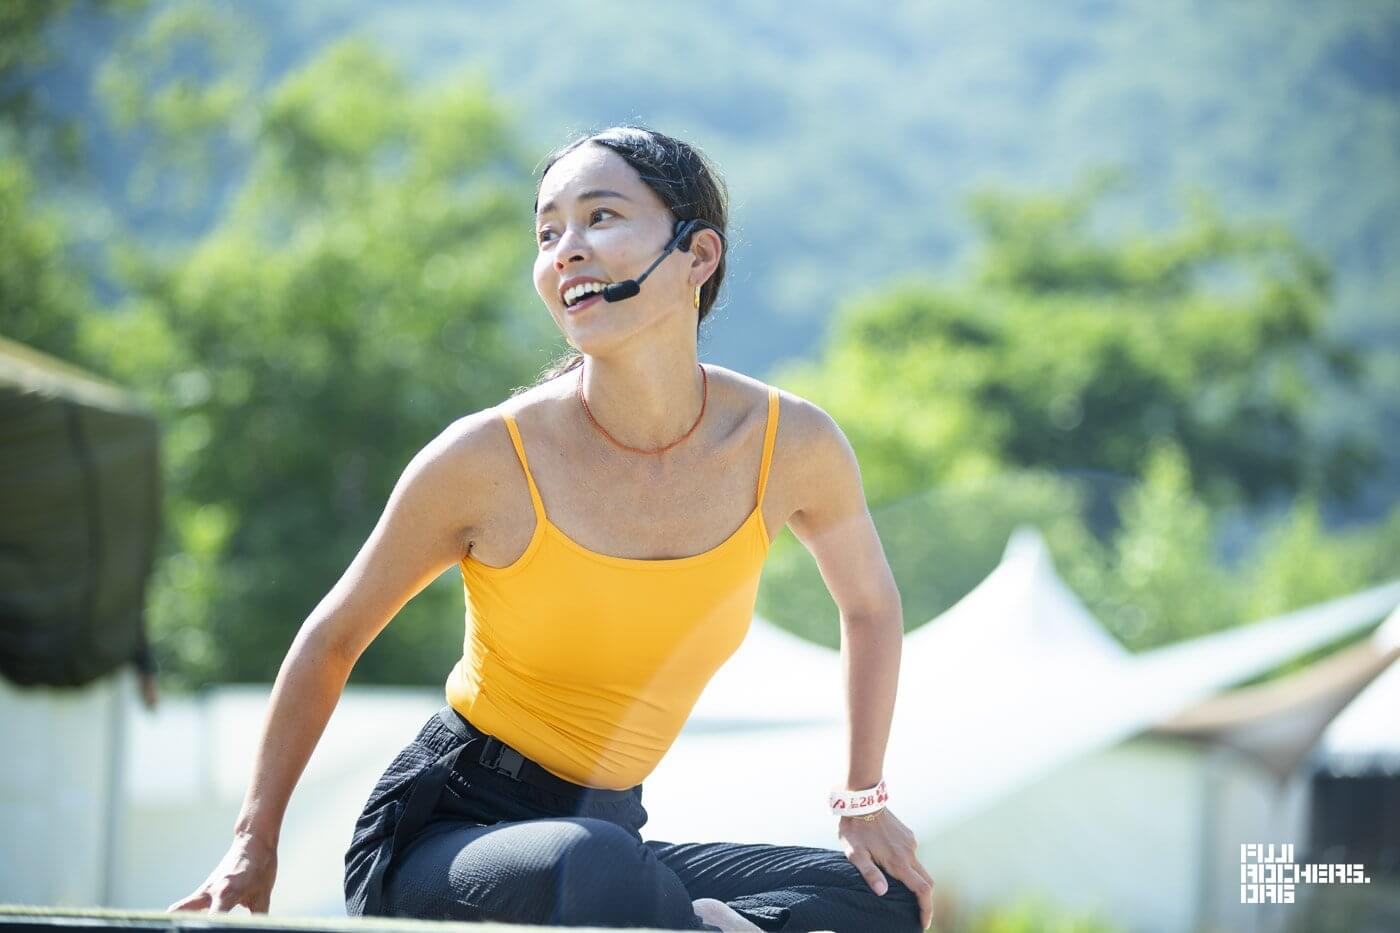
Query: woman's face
[[598, 220]]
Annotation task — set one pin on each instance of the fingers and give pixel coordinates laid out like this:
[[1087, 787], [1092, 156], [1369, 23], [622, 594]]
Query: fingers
[[217, 901], [199, 900], [912, 874], [916, 879], [893, 849], [872, 875]]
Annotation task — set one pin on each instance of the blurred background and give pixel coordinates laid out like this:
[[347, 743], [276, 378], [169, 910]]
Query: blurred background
[[1112, 279]]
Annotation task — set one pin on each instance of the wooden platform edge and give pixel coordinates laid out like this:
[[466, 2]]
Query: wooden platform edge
[[21, 918]]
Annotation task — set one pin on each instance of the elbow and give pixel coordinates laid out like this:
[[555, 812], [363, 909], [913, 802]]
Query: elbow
[[886, 612], [327, 645]]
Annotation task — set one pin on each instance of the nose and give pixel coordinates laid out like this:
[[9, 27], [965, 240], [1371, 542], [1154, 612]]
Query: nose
[[570, 248]]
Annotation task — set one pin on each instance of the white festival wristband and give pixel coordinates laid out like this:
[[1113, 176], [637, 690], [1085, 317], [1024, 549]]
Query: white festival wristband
[[859, 802]]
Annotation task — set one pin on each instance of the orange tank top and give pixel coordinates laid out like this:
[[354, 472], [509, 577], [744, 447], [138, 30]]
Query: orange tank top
[[589, 664]]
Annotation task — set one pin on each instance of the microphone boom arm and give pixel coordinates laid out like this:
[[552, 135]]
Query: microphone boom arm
[[619, 291]]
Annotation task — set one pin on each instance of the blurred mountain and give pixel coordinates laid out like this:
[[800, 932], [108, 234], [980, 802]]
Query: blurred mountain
[[850, 135]]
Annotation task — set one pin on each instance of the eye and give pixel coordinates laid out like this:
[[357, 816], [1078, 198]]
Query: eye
[[591, 214]]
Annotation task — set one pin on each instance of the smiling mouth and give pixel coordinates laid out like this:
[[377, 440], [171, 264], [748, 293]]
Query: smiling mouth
[[575, 293], [584, 302]]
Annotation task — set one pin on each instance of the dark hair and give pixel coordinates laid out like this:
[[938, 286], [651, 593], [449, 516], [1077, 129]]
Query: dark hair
[[681, 176]]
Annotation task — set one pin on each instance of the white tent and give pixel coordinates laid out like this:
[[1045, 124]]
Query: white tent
[[1277, 725], [1015, 679], [1367, 733]]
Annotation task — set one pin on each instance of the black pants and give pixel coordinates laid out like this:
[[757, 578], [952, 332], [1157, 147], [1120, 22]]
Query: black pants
[[445, 837]]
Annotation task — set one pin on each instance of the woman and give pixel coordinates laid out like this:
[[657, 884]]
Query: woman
[[599, 522]]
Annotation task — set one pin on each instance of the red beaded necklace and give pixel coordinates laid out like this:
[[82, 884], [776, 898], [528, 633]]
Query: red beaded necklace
[[705, 379]]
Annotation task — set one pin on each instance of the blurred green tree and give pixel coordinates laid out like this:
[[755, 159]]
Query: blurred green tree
[[25, 125], [1118, 392], [1070, 348], [365, 286], [44, 294], [1035, 913], [940, 542]]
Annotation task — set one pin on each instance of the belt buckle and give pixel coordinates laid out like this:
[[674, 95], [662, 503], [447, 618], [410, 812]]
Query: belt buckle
[[500, 757]]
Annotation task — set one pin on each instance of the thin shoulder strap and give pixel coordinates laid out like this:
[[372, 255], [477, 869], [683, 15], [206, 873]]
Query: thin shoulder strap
[[525, 463], [768, 436]]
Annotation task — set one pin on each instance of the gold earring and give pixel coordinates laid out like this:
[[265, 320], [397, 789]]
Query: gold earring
[[697, 298]]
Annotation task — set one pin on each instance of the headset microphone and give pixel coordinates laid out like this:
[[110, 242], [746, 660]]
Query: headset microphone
[[620, 291]]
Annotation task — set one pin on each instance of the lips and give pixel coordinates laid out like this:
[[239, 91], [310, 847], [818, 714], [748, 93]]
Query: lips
[[570, 284], [587, 302]]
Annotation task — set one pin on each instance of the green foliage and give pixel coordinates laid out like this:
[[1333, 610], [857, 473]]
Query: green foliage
[[25, 125], [1177, 586], [1300, 562], [1184, 359], [43, 298], [352, 293], [44, 293], [940, 544], [1164, 579], [1163, 582], [193, 116], [1038, 914], [358, 295], [849, 139], [1158, 579], [1074, 349]]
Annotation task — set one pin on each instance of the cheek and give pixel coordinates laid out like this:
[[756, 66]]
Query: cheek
[[542, 277]]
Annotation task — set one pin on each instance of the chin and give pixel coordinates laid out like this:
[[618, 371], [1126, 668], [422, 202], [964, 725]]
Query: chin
[[594, 344], [611, 325], [598, 341]]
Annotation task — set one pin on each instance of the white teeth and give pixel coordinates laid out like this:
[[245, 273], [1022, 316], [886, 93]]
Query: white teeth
[[578, 291]]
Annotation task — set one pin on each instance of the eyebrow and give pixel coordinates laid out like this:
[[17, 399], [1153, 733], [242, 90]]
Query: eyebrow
[[592, 194]]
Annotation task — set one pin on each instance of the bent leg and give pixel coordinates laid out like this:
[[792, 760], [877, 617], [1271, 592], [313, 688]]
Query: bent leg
[[790, 888], [569, 871]]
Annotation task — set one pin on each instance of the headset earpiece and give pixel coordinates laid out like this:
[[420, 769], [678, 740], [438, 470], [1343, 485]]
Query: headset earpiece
[[685, 229]]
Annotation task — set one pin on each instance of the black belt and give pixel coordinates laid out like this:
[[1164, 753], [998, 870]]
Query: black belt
[[501, 758]]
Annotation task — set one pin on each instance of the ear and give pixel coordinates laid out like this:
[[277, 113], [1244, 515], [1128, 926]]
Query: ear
[[706, 250]]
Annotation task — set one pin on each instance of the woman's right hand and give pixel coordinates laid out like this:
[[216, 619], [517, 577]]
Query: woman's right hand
[[244, 876]]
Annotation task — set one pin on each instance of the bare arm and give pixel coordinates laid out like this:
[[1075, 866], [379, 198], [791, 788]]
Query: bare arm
[[423, 530], [307, 689], [833, 522]]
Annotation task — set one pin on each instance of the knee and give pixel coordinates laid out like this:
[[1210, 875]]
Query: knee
[[597, 854], [606, 876]]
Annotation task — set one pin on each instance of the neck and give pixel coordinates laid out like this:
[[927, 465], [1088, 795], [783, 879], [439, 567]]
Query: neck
[[644, 403]]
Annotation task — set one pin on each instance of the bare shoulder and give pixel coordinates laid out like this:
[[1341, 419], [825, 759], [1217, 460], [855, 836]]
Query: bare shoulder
[[810, 451], [821, 452], [811, 429], [473, 463], [803, 426], [798, 419], [440, 485], [470, 442], [475, 453]]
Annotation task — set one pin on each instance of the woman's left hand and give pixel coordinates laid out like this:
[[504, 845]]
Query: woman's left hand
[[889, 844]]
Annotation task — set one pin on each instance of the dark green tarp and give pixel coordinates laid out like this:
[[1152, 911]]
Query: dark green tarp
[[79, 513]]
